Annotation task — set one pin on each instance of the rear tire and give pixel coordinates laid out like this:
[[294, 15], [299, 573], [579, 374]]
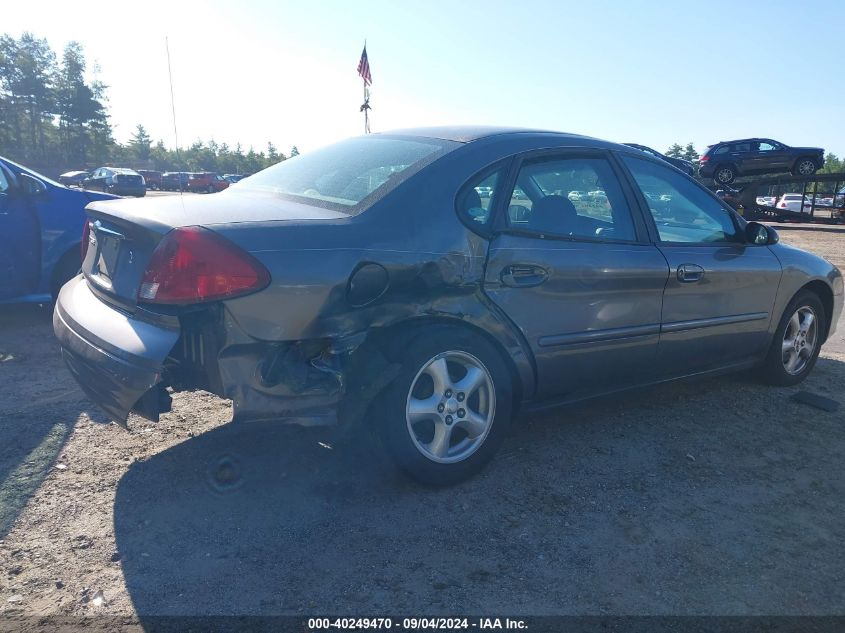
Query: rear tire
[[449, 409], [724, 175], [797, 341]]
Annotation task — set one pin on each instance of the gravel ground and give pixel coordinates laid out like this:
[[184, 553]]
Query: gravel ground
[[711, 497]]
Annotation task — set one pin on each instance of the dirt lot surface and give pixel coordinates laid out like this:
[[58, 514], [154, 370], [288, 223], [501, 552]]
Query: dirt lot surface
[[711, 497]]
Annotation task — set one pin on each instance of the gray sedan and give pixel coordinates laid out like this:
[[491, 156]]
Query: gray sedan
[[432, 283]]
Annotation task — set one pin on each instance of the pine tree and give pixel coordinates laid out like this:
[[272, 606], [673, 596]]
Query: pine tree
[[140, 144], [273, 155], [689, 153], [676, 151], [27, 76]]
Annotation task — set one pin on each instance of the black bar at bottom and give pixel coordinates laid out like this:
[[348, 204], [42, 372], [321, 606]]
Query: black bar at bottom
[[308, 624]]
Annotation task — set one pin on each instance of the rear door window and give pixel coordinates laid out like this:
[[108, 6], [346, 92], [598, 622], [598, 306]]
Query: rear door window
[[476, 199]]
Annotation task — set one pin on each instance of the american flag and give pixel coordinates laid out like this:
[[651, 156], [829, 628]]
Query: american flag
[[364, 68]]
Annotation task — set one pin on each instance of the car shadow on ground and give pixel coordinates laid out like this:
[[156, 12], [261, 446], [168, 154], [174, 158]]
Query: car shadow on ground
[[39, 405], [711, 497]]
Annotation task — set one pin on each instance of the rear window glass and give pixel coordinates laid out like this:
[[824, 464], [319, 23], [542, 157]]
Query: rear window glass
[[342, 175]]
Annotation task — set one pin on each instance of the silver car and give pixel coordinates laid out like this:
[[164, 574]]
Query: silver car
[[370, 283]]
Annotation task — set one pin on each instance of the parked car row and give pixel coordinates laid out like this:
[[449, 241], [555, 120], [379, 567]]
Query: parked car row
[[129, 182], [791, 201]]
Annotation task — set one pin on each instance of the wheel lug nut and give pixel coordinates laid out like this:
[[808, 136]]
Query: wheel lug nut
[[461, 413], [448, 419], [448, 393], [460, 397], [440, 408]]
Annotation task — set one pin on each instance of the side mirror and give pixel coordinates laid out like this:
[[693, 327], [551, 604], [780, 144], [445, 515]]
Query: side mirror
[[31, 186], [760, 234]]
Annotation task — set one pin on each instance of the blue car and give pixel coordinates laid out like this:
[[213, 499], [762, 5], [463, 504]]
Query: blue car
[[41, 225]]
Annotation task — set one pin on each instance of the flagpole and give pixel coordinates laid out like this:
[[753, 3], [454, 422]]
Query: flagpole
[[364, 71], [366, 109]]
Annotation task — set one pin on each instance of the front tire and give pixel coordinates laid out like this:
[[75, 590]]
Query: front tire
[[804, 167], [449, 409], [797, 341]]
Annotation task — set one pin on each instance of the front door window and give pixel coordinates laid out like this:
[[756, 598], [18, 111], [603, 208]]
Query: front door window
[[683, 212]]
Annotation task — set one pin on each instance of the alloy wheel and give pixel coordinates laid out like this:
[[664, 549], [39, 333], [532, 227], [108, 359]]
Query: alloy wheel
[[450, 407], [724, 175], [799, 340], [806, 167]]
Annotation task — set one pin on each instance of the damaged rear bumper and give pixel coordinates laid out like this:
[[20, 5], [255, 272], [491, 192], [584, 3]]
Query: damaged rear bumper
[[115, 357], [123, 363]]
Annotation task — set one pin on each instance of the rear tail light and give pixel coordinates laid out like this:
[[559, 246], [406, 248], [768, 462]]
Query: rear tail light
[[86, 239], [782, 205], [703, 159], [195, 265]]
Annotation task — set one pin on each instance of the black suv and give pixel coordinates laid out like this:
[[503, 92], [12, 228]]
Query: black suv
[[728, 159]]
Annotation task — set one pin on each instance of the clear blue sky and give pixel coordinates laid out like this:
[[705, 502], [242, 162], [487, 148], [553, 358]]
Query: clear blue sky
[[646, 71]]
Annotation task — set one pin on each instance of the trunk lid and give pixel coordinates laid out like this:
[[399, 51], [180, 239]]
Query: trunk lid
[[124, 233]]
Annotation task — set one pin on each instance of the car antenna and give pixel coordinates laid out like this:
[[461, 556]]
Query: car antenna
[[173, 110]]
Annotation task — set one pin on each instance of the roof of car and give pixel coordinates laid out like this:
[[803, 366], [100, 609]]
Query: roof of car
[[468, 133], [743, 140]]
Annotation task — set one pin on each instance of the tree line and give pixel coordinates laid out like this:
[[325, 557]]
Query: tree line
[[53, 118]]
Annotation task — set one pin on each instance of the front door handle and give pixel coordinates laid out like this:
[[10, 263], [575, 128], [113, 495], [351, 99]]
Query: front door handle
[[690, 273], [523, 275]]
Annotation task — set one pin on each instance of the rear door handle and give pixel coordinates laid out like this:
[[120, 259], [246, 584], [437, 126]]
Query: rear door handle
[[690, 273], [523, 275]]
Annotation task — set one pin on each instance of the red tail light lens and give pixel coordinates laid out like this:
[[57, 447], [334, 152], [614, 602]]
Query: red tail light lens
[[86, 237], [703, 159], [195, 265]]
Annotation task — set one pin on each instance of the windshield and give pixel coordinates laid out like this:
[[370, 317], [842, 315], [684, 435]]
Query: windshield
[[343, 175]]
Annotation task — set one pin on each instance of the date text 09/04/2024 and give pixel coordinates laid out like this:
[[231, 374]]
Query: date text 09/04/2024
[[411, 624]]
